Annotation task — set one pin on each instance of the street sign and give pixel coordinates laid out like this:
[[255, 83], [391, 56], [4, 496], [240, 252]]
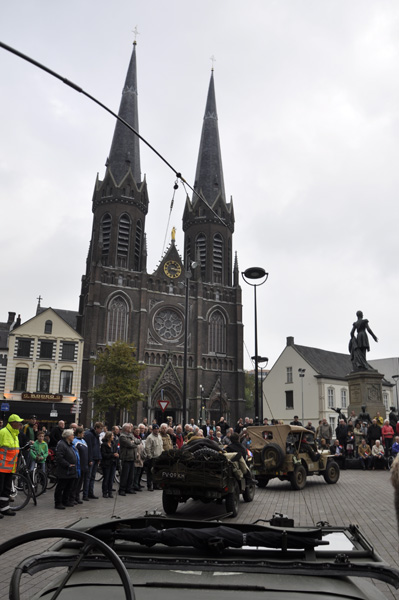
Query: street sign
[[163, 404], [5, 406], [53, 413]]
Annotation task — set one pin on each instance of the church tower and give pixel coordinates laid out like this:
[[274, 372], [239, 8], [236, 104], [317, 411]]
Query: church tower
[[208, 220], [117, 253], [120, 300]]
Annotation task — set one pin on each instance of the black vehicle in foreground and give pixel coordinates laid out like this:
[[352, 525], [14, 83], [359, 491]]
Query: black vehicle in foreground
[[200, 472], [159, 557]]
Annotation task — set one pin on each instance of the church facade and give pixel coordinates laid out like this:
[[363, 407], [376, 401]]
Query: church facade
[[185, 318]]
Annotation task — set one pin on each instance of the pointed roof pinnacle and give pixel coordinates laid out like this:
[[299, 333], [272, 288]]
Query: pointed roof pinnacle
[[209, 175], [125, 150]]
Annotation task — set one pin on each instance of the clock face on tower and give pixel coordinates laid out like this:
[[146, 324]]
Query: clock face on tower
[[172, 269]]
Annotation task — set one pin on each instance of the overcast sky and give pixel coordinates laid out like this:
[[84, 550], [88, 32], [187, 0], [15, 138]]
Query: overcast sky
[[308, 105]]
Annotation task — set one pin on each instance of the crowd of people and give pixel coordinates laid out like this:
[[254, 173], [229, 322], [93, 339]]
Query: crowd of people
[[372, 441], [80, 452]]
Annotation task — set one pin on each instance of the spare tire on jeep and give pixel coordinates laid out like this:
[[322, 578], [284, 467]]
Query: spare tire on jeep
[[272, 455]]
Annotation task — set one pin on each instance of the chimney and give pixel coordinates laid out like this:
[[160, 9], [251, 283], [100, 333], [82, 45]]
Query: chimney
[[290, 341], [11, 318]]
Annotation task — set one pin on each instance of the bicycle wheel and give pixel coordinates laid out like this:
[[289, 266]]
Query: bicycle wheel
[[20, 492], [99, 473], [40, 482], [19, 480]]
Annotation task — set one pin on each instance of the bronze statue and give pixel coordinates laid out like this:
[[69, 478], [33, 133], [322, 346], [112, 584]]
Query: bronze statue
[[364, 416], [340, 413], [359, 345]]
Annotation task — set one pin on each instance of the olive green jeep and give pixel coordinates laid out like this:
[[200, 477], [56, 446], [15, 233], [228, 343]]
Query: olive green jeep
[[289, 452]]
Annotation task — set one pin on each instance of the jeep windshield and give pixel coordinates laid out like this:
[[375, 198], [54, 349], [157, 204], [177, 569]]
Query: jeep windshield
[[177, 557]]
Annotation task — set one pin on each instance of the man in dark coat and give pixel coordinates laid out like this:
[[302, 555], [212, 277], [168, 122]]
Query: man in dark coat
[[205, 428], [223, 425], [393, 418], [341, 432], [337, 450], [92, 438], [56, 434], [373, 433], [235, 445]]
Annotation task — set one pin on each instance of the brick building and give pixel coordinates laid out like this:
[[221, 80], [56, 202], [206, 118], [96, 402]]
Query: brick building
[[121, 300]]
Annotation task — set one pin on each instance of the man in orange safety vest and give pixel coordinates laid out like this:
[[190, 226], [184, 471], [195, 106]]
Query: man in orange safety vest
[[9, 449]]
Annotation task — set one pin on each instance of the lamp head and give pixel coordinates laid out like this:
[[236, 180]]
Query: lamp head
[[255, 273]]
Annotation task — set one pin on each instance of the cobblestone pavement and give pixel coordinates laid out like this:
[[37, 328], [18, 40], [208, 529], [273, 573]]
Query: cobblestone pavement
[[365, 498]]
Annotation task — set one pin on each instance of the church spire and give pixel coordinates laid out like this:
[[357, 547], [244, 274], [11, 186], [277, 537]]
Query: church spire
[[209, 175], [125, 151], [209, 224]]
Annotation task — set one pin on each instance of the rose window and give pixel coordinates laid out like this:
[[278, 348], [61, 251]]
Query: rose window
[[168, 324]]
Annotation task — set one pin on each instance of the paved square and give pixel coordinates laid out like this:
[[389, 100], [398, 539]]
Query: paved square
[[365, 498]]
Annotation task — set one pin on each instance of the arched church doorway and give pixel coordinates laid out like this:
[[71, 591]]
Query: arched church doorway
[[215, 411], [171, 395]]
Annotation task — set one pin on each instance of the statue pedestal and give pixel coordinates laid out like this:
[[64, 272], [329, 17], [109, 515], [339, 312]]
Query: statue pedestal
[[365, 389]]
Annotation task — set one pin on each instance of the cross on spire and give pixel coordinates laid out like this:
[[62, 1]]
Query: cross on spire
[[213, 60], [136, 33], [39, 299]]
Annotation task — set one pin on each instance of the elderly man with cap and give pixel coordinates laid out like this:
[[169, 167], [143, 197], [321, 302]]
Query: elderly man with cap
[[9, 449], [153, 449]]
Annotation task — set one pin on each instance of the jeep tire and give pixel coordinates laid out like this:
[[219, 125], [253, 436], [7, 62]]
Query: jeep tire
[[232, 501], [249, 492], [332, 472], [169, 503], [298, 477]]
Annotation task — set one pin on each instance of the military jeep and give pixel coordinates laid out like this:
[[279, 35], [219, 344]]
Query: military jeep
[[289, 452]]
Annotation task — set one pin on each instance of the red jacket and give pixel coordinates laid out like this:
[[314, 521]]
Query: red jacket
[[387, 432]]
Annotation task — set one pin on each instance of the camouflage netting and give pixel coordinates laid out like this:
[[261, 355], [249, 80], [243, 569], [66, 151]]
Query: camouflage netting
[[203, 466]]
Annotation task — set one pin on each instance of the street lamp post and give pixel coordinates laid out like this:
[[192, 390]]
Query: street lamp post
[[262, 362], [202, 410], [396, 377], [187, 275], [93, 356], [260, 276], [220, 382], [302, 375]]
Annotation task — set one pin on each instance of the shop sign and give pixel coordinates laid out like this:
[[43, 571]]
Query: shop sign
[[42, 397]]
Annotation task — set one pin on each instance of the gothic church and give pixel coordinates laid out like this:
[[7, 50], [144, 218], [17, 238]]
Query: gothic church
[[121, 300]]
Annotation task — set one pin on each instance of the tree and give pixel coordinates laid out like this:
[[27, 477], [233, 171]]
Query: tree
[[249, 387], [120, 372]]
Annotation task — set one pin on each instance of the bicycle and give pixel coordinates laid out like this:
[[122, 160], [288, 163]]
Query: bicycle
[[22, 488], [100, 475], [37, 476]]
